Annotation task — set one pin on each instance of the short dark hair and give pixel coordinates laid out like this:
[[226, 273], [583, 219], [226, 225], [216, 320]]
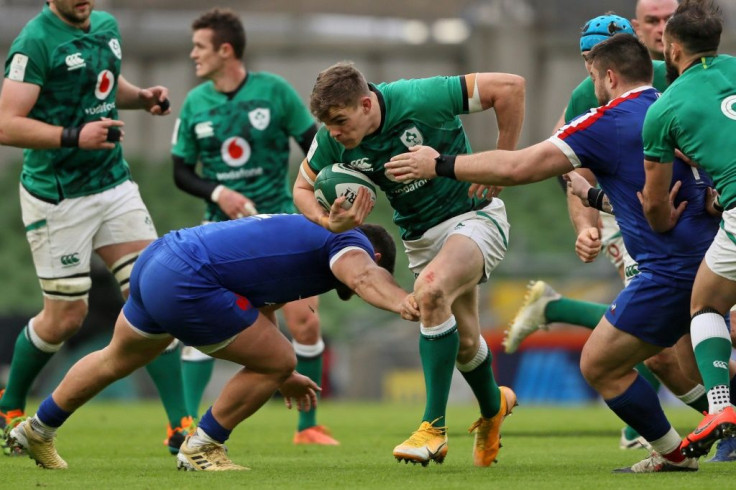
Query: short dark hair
[[340, 85], [624, 54], [382, 243], [697, 25], [226, 28]]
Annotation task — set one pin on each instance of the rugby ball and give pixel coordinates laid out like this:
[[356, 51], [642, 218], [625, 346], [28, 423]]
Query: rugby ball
[[338, 180]]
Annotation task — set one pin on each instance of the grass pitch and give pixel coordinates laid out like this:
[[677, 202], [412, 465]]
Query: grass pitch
[[118, 445]]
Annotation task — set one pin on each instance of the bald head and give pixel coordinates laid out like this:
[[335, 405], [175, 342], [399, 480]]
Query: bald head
[[651, 16]]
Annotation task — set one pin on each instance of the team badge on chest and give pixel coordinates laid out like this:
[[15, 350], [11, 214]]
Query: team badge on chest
[[260, 118], [412, 137]]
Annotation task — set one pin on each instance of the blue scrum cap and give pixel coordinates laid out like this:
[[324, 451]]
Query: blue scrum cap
[[601, 28]]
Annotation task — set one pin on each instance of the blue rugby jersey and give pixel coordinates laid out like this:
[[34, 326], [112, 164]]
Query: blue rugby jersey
[[608, 141], [269, 259]]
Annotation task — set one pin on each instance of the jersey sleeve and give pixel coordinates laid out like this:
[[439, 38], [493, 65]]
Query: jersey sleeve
[[342, 243], [323, 152], [27, 61], [583, 141], [659, 145], [183, 141]]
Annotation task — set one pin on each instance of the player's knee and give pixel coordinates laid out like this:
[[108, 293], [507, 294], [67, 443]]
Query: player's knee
[[305, 329], [662, 363], [591, 371], [429, 295], [122, 268]]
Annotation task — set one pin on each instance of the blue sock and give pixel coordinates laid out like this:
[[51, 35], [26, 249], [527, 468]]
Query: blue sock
[[50, 414], [639, 407], [213, 428]]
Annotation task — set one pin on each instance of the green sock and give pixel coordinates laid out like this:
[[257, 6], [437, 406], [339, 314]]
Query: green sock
[[484, 386], [712, 355], [311, 367], [700, 404], [630, 433], [28, 360], [575, 312], [438, 355], [165, 371], [195, 376], [648, 375]]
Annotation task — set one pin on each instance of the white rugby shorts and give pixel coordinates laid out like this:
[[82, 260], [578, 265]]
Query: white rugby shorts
[[62, 236], [488, 227]]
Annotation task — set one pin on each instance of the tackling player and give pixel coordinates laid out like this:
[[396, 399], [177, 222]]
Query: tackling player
[[216, 287]]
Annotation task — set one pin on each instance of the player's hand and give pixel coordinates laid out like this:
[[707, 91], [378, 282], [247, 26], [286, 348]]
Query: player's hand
[[300, 391], [155, 100], [235, 205], [578, 186], [96, 135], [409, 308], [588, 244], [418, 163], [482, 191], [675, 212], [346, 219]]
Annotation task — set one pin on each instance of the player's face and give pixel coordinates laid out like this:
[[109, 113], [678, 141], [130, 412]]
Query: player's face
[[74, 12], [207, 61], [348, 125], [599, 82], [672, 71], [651, 17]]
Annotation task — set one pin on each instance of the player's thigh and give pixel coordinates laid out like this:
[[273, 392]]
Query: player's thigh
[[612, 353], [462, 251], [126, 224], [715, 283], [261, 347], [60, 236]]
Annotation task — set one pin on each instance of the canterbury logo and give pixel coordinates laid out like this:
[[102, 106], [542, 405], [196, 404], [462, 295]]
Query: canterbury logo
[[720, 364], [70, 260], [74, 61]]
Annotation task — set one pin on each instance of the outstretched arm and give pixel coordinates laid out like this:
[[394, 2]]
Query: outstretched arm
[[497, 167], [358, 271]]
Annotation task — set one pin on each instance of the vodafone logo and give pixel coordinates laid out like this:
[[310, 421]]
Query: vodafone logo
[[105, 84], [235, 151]]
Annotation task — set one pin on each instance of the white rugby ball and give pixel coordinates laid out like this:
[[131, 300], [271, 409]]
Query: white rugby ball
[[338, 180]]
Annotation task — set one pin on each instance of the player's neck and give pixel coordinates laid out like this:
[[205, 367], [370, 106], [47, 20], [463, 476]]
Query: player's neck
[[230, 77]]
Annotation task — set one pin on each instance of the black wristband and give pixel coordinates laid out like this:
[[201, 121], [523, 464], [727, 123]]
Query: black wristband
[[70, 136], [595, 198], [113, 134], [445, 166]]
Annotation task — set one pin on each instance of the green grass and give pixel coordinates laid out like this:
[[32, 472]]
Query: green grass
[[118, 445]]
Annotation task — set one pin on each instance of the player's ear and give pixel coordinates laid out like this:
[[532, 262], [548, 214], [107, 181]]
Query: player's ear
[[226, 50], [366, 103], [377, 256]]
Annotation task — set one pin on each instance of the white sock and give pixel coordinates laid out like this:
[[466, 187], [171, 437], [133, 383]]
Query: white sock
[[47, 432], [718, 398], [200, 438]]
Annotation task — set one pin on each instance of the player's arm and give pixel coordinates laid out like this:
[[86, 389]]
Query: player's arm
[[17, 129], [657, 199], [496, 167], [374, 284], [152, 99], [305, 139], [505, 93]]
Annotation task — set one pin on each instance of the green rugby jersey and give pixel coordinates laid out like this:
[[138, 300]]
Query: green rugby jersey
[[242, 139], [77, 72], [697, 114], [413, 112], [583, 96]]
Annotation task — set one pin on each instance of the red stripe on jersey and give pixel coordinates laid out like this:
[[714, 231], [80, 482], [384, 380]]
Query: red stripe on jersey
[[588, 119]]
